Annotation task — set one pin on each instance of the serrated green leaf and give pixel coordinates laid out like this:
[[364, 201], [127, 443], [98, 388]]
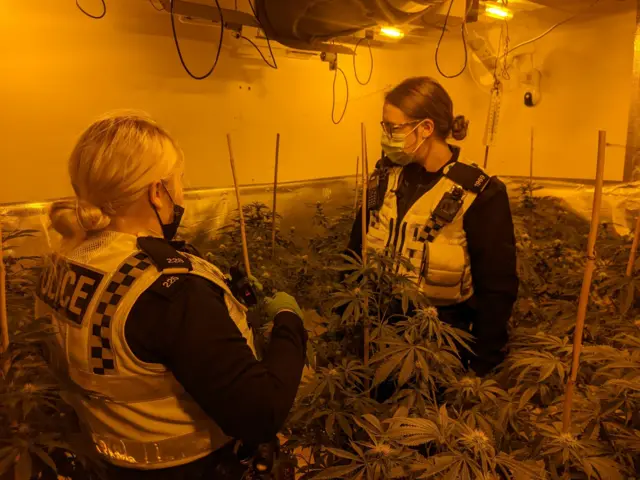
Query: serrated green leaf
[[384, 370], [24, 467], [340, 472], [8, 457], [407, 369], [44, 456]]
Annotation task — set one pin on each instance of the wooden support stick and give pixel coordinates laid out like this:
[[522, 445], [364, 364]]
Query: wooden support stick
[[531, 165], [586, 282], [4, 323], [634, 248], [275, 196], [245, 250], [355, 200], [365, 179]]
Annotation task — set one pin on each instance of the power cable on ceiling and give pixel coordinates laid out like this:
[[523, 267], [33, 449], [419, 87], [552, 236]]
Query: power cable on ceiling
[[464, 45], [355, 70], [255, 14], [95, 17], [551, 29], [346, 102], [275, 67], [175, 39], [159, 9]]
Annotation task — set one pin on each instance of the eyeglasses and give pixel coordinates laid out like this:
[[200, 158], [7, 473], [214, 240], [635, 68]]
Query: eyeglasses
[[390, 128]]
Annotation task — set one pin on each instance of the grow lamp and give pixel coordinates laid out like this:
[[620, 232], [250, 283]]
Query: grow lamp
[[497, 10], [391, 32]]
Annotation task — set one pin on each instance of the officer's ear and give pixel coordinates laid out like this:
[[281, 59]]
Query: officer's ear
[[155, 195], [426, 128]]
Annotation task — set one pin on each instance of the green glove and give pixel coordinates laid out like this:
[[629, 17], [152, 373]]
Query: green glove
[[281, 302], [255, 283]]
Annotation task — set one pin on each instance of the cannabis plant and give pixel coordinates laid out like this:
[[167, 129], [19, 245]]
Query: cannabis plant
[[39, 432]]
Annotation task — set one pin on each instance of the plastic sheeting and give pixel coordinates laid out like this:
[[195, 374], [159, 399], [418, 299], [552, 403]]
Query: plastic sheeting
[[620, 203], [210, 209]]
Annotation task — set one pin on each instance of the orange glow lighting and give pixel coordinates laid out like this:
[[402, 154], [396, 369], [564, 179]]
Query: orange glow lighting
[[496, 10], [391, 32]]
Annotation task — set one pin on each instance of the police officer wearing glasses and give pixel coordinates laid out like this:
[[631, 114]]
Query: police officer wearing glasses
[[446, 215]]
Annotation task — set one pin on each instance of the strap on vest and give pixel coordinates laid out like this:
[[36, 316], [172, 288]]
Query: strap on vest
[[165, 257], [470, 177]]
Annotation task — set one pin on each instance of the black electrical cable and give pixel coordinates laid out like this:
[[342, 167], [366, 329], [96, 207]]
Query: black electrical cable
[[175, 39], [275, 64], [355, 70], [346, 102], [275, 67], [159, 9], [95, 17], [464, 44]]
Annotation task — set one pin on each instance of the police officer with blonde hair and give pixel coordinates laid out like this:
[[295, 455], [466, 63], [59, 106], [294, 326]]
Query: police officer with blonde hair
[[446, 215], [158, 350]]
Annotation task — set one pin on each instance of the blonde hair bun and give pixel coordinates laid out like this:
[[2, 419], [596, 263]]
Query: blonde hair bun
[[91, 218]]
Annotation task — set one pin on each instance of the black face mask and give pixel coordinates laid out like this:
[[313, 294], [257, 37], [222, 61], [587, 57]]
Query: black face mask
[[170, 230]]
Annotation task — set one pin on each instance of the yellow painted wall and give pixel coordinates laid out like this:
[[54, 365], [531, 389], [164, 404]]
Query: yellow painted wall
[[586, 67], [61, 69]]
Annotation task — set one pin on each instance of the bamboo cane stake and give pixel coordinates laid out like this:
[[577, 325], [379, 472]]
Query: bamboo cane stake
[[355, 200], [365, 178], [245, 250], [586, 282], [634, 248], [4, 323], [531, 165], [275, 196]]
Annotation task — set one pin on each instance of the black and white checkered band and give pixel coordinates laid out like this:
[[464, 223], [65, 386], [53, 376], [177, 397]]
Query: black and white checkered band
[[429, 232], [102, 361]]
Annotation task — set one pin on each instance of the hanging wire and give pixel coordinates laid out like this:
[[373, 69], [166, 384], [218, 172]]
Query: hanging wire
[[275, 67], [95, 17], [464, 45], [346, 103], [175, 39], [255, 14], [153, 4], [552, 28], [355, 70]]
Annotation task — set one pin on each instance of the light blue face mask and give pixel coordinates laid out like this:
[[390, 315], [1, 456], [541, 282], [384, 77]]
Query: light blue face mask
[[394, 147]]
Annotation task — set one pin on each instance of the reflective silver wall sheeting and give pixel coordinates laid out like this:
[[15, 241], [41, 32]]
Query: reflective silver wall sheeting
[[210, 209]]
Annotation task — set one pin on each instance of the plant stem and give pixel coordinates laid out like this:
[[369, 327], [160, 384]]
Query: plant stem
[[4, 323], [634, 248], [586, 282], [275, 195], [245, 250], [355, 200]]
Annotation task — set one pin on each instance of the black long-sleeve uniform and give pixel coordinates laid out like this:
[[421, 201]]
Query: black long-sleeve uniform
[[191, 333], [491, 245]]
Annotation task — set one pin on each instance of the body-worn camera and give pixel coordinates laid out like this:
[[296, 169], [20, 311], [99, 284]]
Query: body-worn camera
[[241, 287], [449, 205]]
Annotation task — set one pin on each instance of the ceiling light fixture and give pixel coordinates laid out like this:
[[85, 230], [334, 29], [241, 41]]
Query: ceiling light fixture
[[497, 10], [391, 32]]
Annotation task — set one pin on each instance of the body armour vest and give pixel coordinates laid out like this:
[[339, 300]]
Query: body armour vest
[[137, 413], [431, 234]]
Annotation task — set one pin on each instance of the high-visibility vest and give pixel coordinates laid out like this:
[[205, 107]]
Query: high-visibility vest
[[137, 413], [435, 246]]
